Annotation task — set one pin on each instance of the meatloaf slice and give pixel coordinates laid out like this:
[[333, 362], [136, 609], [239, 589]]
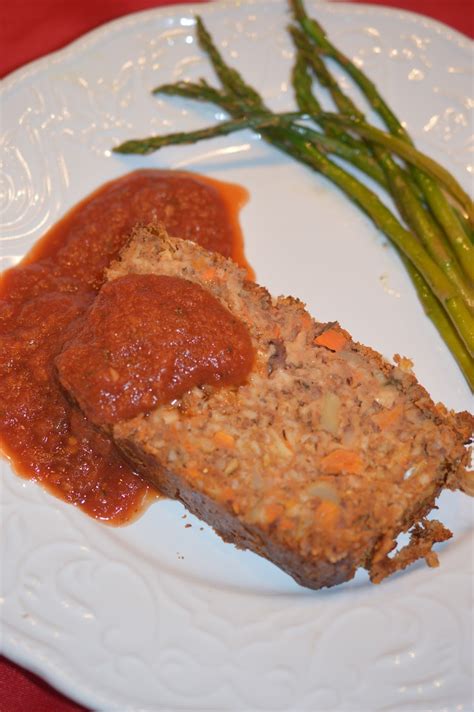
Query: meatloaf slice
[[325, 454]]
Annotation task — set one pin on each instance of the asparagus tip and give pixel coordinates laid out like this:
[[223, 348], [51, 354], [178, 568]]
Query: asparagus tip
[[132, 146]]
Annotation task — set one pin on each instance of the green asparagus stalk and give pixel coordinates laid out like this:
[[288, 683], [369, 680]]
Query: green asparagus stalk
[[199, 91], [229, 77], [468, 229], [313, 59], [307, 57], [343, 103], [402, 188], [433, 194], [406, 151], [316, 33], [326, 144], [434, 311], [428, 232], [354, 152], [447, 217], [306, 99], [154, 143]]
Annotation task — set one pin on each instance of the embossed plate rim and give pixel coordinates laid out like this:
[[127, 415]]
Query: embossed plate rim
[[214, 5], [34, 653]]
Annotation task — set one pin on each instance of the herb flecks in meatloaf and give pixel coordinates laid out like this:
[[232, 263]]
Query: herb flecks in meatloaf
[[321, 458]]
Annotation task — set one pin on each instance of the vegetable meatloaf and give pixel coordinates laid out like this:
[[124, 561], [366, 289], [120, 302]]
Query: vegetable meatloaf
[[320, 459]]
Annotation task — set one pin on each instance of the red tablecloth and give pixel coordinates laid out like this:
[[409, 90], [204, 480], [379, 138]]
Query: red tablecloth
[[31, 29]]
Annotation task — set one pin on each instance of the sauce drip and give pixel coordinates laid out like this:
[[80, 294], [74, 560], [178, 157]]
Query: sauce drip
[[147, 340], [42, 304]]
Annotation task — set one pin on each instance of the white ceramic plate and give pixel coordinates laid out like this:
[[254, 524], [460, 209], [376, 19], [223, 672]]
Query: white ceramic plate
[[158, 617]]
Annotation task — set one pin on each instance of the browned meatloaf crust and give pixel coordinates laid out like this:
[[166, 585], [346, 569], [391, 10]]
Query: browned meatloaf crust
[[321, 459]]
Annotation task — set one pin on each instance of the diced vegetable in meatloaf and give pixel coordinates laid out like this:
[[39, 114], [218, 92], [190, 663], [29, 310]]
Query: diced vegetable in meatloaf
[[320, 459]]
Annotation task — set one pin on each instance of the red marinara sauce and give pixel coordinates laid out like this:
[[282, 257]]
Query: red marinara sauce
[[42, 305], [147, 340]]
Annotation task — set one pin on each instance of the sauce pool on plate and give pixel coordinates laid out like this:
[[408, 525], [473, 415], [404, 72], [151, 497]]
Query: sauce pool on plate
[[42, 305]]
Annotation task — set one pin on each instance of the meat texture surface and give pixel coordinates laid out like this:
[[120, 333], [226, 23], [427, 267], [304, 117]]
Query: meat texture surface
[[320, 459]]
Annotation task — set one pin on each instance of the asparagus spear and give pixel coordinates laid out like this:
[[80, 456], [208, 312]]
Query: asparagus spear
[[406, 151], [433, 194], [311, 60], [154, 143], [326, 144], [434, 311], [354, 152], [400, 184], [307, 101]]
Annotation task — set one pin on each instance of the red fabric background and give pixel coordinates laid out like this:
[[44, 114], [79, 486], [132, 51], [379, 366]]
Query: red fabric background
[[32, 28]]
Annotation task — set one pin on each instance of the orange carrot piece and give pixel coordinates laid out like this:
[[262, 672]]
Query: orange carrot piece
[[227, 493], [306, 321], [342, 461], [328, 513], [272, 511], [209, 274], [286, 524], [387, 418], [223, 439], [332, 339], [357, 377]]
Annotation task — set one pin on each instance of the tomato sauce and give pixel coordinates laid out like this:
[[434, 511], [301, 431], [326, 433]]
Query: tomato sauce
[[146, 341], [42, 305]]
